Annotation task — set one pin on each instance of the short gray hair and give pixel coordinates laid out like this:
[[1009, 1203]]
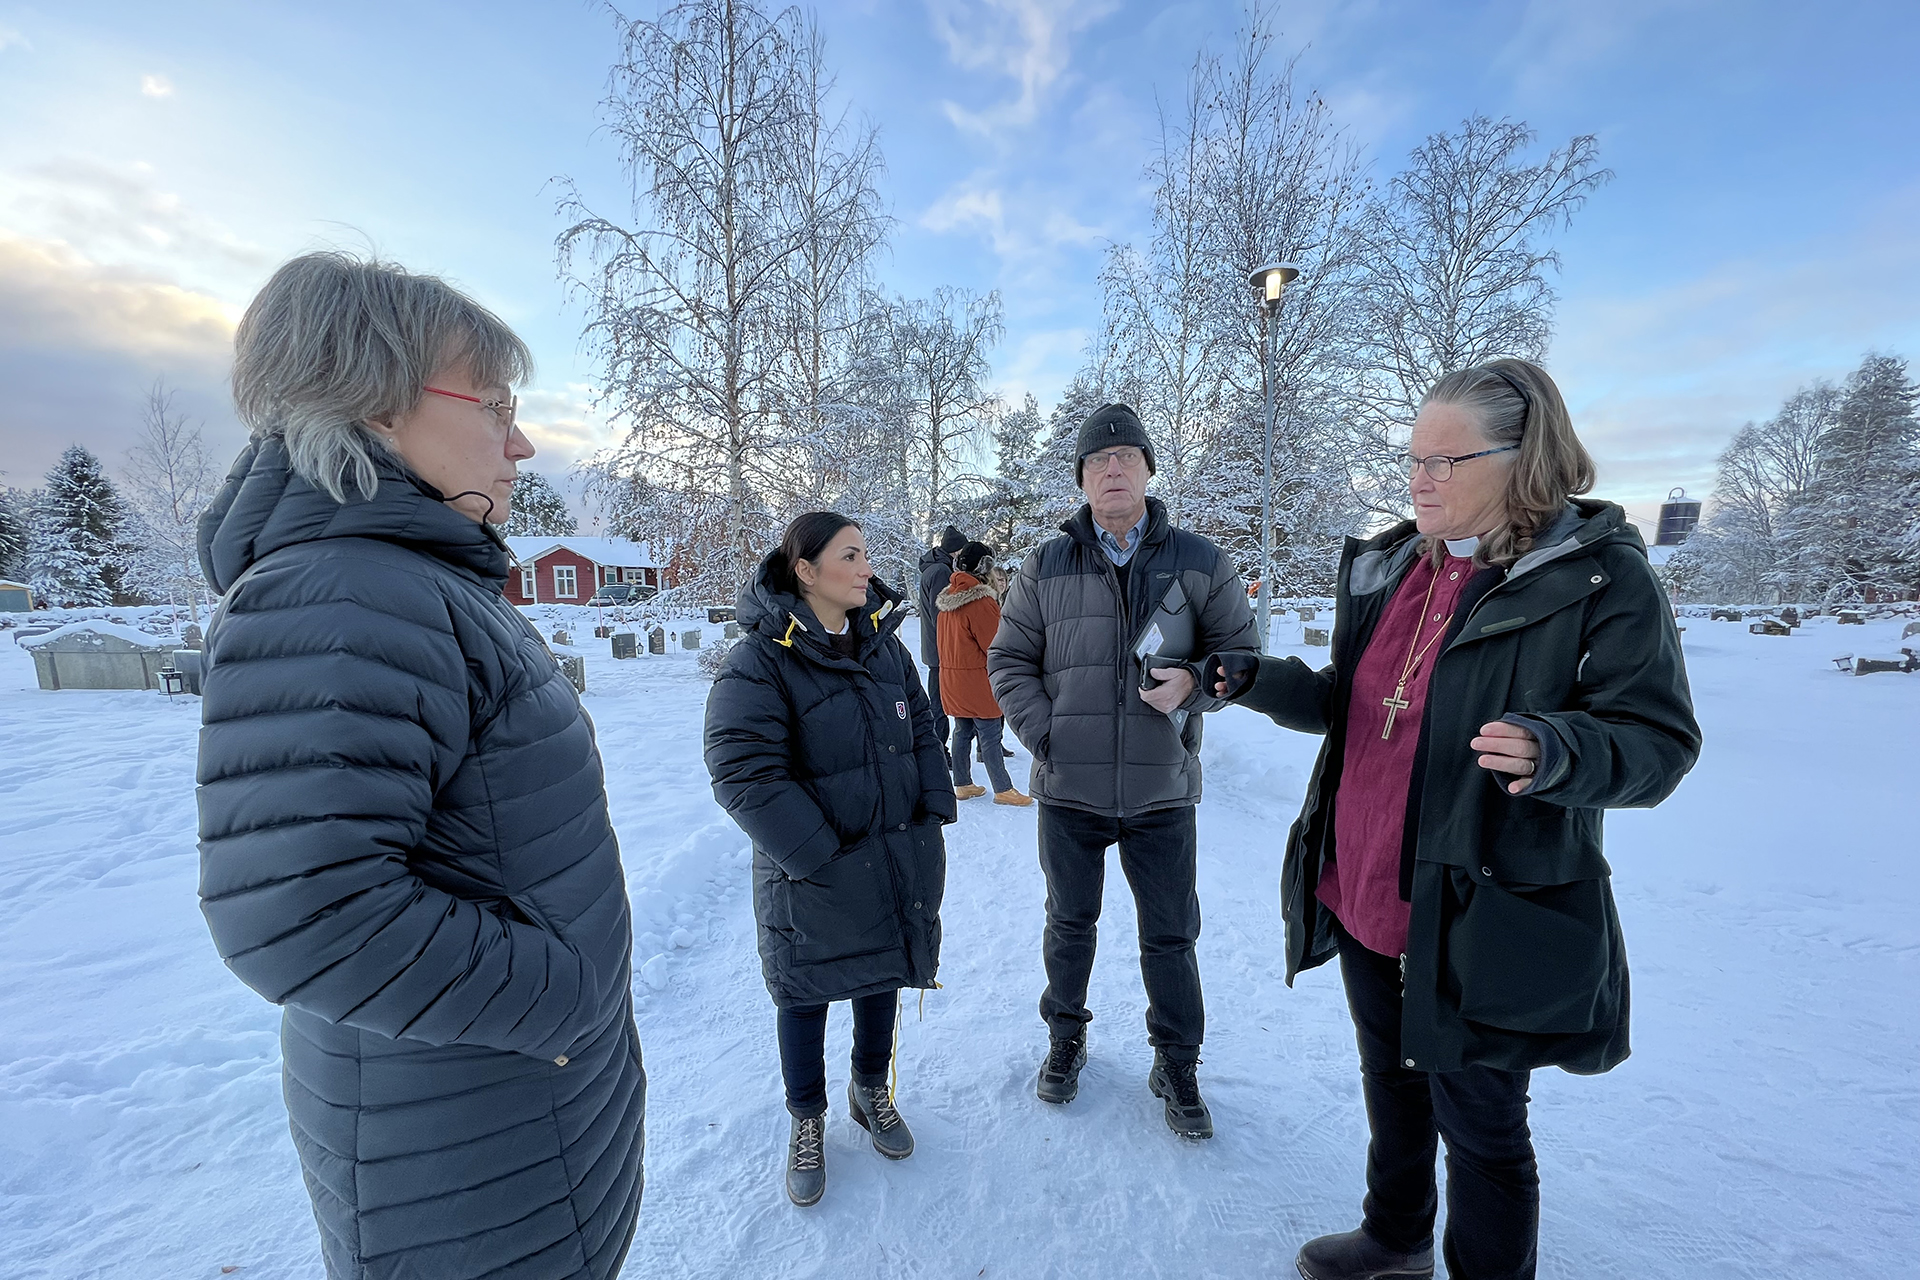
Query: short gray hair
[[332, 342]]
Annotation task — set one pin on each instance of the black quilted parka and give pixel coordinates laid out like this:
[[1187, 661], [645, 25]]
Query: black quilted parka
[[404, 841], [831, 767]]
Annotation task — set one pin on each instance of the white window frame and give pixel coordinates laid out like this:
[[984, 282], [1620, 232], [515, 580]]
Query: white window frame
[[530, 583], [566, 582]]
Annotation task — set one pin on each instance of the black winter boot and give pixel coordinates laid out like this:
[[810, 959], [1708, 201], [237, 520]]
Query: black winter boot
[[807, 1160], [1060, 1073], [872, 1106], [1173, 1079], [1355, 1255]]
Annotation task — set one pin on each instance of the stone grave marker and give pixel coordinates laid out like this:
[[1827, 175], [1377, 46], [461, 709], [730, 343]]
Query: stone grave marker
[[691, 639], [1308, 613], [574, 667], [1318, 635], [563, 637], [733, 630], [1911, 629], [626, 645], [1852, 617], [1770, 627], [657, 640], [191, 637]]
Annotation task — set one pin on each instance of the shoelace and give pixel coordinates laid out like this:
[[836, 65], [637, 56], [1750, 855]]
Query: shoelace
[[1186, 1089], [881, 1106], [1060, 1057], [807, 1142]]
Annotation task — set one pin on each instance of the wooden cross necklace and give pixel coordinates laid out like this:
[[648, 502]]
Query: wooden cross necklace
[[1398, 702]]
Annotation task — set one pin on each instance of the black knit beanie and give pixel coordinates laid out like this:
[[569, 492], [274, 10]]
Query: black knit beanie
[[1109, 427], [952, 540], [975, 558]]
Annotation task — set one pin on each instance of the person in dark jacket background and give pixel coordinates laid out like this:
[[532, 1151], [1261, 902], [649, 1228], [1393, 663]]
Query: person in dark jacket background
[[936, 570], [969, 619], [821, 746], [403, 821], [1115, 763], [1505, 667]]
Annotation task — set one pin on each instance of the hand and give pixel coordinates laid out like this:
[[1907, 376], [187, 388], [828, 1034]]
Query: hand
[[1508, 748], [1175, 687]]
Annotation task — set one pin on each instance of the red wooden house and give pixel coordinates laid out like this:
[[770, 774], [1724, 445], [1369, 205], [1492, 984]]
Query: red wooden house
[[570, 570]]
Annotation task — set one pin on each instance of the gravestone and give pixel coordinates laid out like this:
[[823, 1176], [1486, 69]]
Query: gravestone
[[98, 655], [1790, 616], [602, 632], [1911, 629], [191, 637], [1873, 666], [691, 639], [1308, 613], [626, 645], [719, 615], [1852, 617], [563, 637], [1725, 615], [574, 667], [190, 663], [1318, 636], [1770, 627], [733, 630], [657, 640]]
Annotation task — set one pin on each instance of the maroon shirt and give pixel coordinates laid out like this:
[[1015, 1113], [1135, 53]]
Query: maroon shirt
[[1361, 886]]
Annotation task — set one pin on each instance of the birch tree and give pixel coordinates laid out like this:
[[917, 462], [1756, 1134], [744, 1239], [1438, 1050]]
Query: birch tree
[[170, 479], [940, 352]]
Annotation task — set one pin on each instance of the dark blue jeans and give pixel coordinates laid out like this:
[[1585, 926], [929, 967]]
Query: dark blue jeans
[[965, 730], [1493, 1184], [803, 1048]]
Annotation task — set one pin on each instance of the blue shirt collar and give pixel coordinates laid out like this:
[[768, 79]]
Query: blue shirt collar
[[1111, 544]]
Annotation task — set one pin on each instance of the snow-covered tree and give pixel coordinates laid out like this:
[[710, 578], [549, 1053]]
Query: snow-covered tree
[[169, 482], [75, 557], [539, 510], [940, 352], [14, 508], [1847, 539]]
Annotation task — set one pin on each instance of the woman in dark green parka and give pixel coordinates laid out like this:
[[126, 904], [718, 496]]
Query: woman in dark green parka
[[1505, 667], [821, 746]]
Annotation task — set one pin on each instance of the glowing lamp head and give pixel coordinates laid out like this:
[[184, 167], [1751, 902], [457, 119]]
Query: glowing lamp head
[[1271, 279]]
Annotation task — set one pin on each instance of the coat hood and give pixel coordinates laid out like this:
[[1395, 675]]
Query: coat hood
[[264, 506], [786, 619], [962, 590]]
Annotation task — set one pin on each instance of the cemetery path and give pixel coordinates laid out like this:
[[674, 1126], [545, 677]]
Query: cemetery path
[[1767, 1124]]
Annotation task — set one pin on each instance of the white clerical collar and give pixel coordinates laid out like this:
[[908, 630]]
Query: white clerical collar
[[1462, 547]]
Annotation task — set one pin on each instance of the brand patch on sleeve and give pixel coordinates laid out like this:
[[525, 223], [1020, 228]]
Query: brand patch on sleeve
[[900, 709]]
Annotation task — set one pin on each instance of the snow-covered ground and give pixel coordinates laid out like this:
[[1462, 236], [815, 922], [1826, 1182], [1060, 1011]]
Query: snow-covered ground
[[1768, 1124]]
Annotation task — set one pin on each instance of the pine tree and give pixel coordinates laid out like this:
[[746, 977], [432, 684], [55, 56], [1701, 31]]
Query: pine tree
[[13, 533], [1850, 536], [75, 558], [538, 510]]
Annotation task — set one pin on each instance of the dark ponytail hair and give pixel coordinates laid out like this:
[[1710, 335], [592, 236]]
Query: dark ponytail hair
[[805, 539]]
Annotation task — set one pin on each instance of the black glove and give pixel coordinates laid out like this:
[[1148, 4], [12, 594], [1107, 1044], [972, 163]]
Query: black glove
[[1236, 668]]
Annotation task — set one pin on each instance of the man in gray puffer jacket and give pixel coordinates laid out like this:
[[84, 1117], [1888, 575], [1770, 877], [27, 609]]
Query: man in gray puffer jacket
[[1116, 763]]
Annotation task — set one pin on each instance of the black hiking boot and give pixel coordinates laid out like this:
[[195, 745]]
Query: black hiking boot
[[873, 1109], [807, 1160], [1173, 1080], [1060, 1073], [1355, 1255]]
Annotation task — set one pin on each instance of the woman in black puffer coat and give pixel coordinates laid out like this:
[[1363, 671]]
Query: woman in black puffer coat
[[403, 823], [822, 747]]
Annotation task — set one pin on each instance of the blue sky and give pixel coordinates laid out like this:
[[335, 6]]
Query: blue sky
[[156, 161]]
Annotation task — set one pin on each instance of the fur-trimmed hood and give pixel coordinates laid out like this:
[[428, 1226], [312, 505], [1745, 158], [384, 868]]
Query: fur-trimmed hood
[[962, 590]]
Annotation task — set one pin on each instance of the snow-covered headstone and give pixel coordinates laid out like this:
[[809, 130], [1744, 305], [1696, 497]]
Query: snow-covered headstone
[[98, 655], [657, 640]]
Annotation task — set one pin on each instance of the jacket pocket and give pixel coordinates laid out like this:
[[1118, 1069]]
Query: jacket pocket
[[1533, 959], [844, 909]]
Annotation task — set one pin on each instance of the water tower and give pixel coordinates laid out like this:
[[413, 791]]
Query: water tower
[[1678, 515]]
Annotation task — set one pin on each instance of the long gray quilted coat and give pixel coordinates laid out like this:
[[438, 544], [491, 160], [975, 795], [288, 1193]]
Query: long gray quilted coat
[[404, 841]]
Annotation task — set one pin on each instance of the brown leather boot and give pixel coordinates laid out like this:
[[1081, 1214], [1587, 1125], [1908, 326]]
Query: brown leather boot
[[1012, 797]]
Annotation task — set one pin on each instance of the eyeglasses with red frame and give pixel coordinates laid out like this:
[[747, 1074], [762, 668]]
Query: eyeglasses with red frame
[[504, 410]]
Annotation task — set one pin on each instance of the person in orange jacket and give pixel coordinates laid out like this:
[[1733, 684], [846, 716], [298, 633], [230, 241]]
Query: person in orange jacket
[[969, 613]]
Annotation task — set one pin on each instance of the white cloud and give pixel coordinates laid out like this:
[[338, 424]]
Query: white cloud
[[11, 39], [156, 86], [1022, 40], [1037, 225], [1659, 379], [563, 425]]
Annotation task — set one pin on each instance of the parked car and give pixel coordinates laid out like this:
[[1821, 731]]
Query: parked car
[[616, 593]]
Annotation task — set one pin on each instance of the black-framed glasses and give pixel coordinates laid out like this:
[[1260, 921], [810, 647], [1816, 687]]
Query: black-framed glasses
[[504, 410], [1440, 466]]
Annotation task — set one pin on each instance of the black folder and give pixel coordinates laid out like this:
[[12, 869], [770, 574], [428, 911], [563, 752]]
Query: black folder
[[1172, 632]]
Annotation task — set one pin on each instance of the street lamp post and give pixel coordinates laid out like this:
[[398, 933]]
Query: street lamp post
[[1269, 281]]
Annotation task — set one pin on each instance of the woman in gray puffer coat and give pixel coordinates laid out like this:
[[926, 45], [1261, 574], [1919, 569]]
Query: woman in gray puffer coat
[[403, 822]]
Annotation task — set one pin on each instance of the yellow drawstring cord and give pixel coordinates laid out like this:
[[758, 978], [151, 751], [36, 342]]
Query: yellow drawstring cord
[[787, 639]]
